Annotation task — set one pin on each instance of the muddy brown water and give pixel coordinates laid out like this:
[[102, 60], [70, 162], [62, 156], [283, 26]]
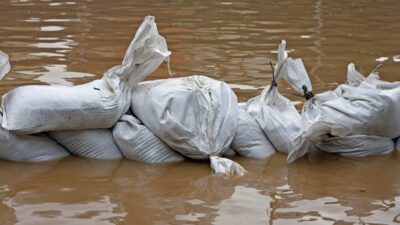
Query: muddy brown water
[[71, 42]]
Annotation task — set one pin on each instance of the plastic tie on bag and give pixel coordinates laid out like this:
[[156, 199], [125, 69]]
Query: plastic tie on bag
[[269, 97], [226, 166], [307, 94]]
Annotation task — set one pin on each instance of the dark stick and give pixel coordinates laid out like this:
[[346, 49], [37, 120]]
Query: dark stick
[[273, 83]]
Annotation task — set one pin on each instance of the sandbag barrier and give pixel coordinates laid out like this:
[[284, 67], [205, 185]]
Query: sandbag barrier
[[196, 117]]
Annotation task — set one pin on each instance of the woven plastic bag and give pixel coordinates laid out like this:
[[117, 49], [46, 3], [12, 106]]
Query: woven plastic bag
[[196, 116], [249, 140], [97, 104], [275, 114], [138, 143], [91, 143], [29, 148], [357, 108]]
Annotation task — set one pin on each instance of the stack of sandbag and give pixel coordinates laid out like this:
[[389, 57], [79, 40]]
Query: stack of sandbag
[[97, 104], [363, 144], [137, 142], [351, 120], [79, 117], [26, 148], [274, 113], [148, 49], [197, 116], [29, 148], [249, 140]]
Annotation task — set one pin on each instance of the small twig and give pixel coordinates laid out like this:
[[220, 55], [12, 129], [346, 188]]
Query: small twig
[[273, 83], [272, 67]]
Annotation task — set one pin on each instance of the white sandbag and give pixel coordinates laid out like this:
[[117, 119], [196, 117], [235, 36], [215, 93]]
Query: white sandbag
[[4, 64], [92, 143], [390, 89], [97, 104], [29, 148], [355, 79], [357, 145], [137, 142], [356, 108], [196, 116], [249, 140], [275, 114]]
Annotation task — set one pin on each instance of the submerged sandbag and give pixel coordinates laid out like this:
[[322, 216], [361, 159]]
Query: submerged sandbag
[[353, 108], [196, 116], [97, 104], [249, 140], [274, 113], [137, 142], [357, 145], [92, 143], [29, 148]]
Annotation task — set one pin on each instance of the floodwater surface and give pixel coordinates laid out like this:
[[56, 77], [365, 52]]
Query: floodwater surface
[[67, 42]]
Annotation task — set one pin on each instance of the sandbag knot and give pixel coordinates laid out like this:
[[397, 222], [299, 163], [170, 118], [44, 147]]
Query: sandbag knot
[[307, 94]]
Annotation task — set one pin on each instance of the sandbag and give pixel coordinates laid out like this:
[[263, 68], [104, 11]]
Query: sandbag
[[274, 113], [351, 109], [357, 145], [92, 143], [97, 104], [29, 148], [355, 79], [197, 116], [137, 142], [249, 140]]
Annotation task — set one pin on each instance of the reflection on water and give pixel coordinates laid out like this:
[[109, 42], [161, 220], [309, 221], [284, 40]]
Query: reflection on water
[[235, 210], [75, 191], [325, 210], [97, 212], [387, 212], [71, 42], [57, 74]]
